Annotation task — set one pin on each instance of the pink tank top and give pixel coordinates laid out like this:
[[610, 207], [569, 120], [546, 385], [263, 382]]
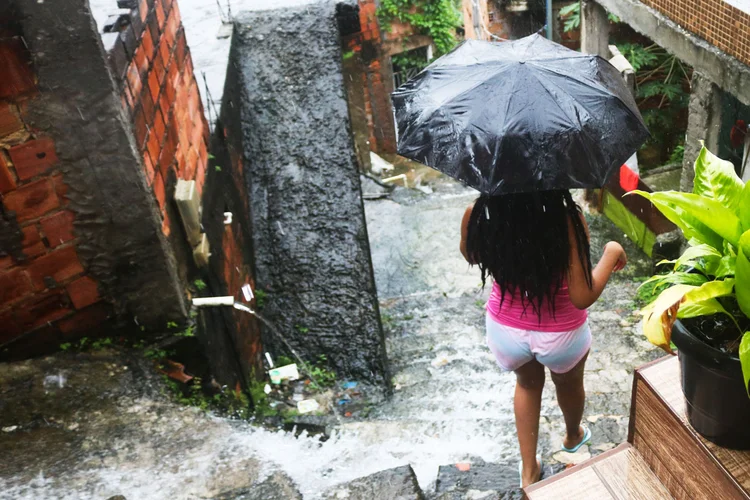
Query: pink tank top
[[567, 316]]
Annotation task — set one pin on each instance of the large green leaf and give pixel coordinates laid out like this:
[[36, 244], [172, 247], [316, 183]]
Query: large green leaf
[[744, 209], [710, 290], [745, 360], [704, 258], [726, 267], [716, 179], [709, 212], [742, 274], [693, 229], [702, 308]]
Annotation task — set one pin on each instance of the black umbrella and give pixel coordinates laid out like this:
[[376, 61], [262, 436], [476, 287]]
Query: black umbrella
[[520, 116]]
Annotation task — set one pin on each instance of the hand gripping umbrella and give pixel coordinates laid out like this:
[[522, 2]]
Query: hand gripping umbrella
[[520, 116]]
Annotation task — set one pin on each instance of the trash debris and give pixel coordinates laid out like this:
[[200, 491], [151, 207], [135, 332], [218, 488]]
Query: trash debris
[[439, 362], [247, 292], [270, 360], [463, 466], [379, 165], [400, 177], [349, 385], [307, 405], [288, 372], [176, 371], [267, 389], [10, 428], [348, 414]]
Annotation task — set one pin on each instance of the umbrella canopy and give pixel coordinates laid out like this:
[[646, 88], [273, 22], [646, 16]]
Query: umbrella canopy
[[520, 116]]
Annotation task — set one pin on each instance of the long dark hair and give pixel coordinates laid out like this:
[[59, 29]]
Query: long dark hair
[[521, 240]]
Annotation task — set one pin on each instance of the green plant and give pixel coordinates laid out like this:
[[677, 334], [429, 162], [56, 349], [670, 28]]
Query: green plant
[[437, 19], [319, 371], [171, 324], [260, 299], [66, 346], [217, 168], [712, 277], [572, 15], [199, 285]]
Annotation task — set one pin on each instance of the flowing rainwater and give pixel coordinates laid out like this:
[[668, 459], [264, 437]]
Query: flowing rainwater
[[102, 425]]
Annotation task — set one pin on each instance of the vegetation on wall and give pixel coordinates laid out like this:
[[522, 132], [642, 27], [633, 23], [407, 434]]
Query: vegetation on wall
[[572, 16], [437, 19]]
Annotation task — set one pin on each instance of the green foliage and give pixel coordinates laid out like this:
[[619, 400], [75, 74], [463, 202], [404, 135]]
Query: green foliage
[[301, 329], [85, 344], [199, 285], [171, 324], [217, 168], [66, 346], [188, 332], [348, 55], [284, 361], [320, 373], [678, 154], [572, 16], [715, 267], [227, 402], [260, 299], [745, 359], [437, 19]]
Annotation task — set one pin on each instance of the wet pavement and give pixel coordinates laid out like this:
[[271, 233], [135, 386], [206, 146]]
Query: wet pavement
[[94, 425]]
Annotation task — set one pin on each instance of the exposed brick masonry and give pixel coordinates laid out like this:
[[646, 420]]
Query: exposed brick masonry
[[44, 291], [149, 55]]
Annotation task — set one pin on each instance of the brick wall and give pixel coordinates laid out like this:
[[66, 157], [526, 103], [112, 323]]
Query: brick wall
[[149, 55], [367, 42], [46, 295], [716, 21]]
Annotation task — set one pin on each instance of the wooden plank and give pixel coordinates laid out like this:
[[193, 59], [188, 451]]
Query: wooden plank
[[628, 476], [585, 484], [664, 378], [663, 473], [676, 446]]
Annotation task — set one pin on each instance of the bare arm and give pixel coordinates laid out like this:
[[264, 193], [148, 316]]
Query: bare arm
[[465, 233], [612, 260]]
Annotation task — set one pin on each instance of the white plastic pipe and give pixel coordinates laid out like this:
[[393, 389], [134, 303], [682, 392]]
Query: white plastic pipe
[[213, 301]]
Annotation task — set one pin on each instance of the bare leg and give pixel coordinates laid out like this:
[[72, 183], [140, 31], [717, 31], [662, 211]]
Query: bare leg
[[571, 397], [527, 404]]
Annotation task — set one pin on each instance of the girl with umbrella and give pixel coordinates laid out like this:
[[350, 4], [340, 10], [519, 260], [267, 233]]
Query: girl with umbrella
[[536, 249], [523, 122]]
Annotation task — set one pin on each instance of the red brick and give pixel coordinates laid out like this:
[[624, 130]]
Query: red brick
[[10, 122], [165, 224], [58, 228], [143, 10], [200, 178], [141, 60], [164, 104], [127, 98], [83, 292], [5, 263], [11, 329], [176, 10], [166, 160], [159, 190], [141, 129], [159, 127], [181, 49], [18, 74], [153, 146], [134, 79], [149, 166], [58, 265], [7, 181], [203, 154], [196, 135], [181, 164], [153, 85], [14, 285], [33, 157], [85, 320], [160, 70], [43, 308], [147, 43], [165, 48], [61, 189], [160, 16], [192, 164], [32, 244], [171, 84], [167, 6], [32, 200], [148, 106]]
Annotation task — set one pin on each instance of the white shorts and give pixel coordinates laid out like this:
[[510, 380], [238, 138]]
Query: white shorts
[[558, 351]]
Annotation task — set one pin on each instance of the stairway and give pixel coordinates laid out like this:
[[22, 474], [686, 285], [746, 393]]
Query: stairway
[[663, 458]]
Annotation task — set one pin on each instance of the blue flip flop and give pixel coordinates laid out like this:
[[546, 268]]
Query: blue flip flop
[[520, 470], [586, 439]]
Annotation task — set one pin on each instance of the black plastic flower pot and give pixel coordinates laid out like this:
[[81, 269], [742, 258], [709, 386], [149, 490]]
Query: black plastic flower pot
[[718, 406]]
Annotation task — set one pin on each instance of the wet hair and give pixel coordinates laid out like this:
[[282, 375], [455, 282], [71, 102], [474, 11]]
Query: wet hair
[[521, 240]]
